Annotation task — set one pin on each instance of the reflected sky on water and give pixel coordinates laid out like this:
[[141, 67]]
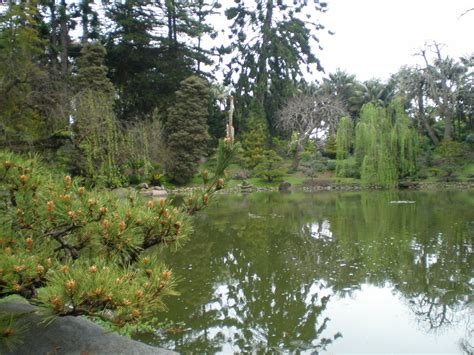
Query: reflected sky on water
[[327, 272]]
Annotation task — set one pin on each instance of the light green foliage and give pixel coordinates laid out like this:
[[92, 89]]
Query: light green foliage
[[143, 151], [96, 131], [213, 182], [404, 140], [373, 144], [78, 245], [186, 130], [253, 142], [270, 168], [385, 145], [75, 251], [97, 139], [344, 141], [349, 168]]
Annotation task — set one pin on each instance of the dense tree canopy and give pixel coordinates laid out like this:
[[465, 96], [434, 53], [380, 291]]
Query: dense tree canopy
[[272, 47]]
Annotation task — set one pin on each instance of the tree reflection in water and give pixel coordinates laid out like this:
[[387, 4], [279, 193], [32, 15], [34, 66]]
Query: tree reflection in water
[[261, 269]]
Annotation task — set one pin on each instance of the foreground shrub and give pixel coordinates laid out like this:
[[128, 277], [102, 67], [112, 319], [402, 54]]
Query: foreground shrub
[[77, 252]]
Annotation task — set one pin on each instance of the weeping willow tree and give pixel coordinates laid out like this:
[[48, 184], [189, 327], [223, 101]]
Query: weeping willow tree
[[385, 145], [404, 140], [96, 131], [97, 135], [344, 140], [373, 138]]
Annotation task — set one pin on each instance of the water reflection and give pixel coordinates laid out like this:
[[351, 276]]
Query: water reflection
[[271, 272]]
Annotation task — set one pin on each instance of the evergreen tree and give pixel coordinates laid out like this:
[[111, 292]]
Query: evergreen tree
[[186, 129], [73, 251], [152, 47], [253, 141], [217, 116], [271, 166], [132, 58], [21, 75], [92, 73], [271, 44]]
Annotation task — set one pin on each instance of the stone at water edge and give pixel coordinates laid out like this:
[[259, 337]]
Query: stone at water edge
[[284, 186], [159, 193], [69, 335]]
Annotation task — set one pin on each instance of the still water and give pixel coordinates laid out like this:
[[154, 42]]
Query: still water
[[328, 273]]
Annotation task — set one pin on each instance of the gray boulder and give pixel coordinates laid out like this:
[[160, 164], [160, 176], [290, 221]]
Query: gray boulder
[[142, 186], [68, 335], [284, 186]]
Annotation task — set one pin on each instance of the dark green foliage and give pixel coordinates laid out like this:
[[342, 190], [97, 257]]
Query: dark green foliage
[[186, 129], [217, 117], [330, 147], [132, 59], [92, 73], [21, 75], [344, 143], [451, 155], [150, 51]]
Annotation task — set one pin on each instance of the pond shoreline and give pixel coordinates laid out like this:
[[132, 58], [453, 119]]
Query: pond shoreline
[[326, 186]]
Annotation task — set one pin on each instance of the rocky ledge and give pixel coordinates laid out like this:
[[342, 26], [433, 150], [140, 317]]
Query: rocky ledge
[[67, 335]]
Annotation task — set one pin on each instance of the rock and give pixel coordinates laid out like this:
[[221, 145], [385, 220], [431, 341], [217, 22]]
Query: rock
[[146, 193], [142, 186], [284, 186], [159, 193], [68, 335], [407, 185]]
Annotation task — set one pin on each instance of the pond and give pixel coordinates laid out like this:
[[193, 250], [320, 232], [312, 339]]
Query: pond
[[326, 272]]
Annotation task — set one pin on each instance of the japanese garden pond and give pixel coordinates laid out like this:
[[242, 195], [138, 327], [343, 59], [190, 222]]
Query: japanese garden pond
[[326, 272]]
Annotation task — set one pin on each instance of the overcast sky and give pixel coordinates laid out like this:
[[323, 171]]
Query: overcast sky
[[375, 37]]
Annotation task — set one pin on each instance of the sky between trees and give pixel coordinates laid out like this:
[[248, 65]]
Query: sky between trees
[[374, 38]]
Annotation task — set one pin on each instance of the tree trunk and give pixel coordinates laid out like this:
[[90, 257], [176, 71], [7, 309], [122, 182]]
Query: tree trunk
[[64, 31], [297, 156], [54, 39], [85, 21], [423, 119], [448, 126], [262, 60]]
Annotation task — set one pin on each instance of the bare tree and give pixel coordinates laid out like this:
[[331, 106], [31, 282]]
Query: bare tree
[[307, 115], [444, 78], [466, 12], [412, 86]]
